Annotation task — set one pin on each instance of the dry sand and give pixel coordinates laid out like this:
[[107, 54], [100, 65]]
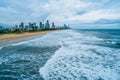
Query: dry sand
[[7, 37]]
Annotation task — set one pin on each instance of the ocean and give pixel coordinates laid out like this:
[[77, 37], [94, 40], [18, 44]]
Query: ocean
[[91, 54]]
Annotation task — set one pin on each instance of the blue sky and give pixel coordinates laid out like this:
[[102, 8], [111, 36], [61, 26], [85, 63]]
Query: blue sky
[[73, 12]]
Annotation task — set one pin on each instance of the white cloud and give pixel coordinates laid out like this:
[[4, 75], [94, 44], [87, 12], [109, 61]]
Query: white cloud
[[96, 15], [7, 10], [60, 11]]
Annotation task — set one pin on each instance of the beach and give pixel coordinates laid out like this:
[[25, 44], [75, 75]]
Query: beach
[[11, 36]]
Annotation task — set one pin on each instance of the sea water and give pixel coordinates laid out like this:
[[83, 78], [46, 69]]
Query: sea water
[[85, 55], [63, 55]]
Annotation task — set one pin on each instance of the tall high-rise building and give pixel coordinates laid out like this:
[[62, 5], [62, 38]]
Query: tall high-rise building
[[65, 26], [1, 28], [47, 25], [53, 25], [29, 24], [26, 28], [21, 26], [16, 28], [41, 26], [35, 26]]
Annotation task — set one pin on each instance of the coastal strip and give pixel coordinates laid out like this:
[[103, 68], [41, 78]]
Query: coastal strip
[[8, 37]]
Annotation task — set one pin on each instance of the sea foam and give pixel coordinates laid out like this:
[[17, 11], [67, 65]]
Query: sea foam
[[78, 61], [1, 48]]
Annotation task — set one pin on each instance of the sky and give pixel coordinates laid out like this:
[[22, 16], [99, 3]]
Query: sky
[[76, 13]]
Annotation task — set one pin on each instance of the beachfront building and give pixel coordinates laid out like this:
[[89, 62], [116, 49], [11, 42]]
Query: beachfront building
[[16, 28], [47, 25], [53, 26], [40, 25], [30, 26], [21, 27], [1, 28], [66, 27], [26, 28], [12, 29], [43, 27], [33, 27]]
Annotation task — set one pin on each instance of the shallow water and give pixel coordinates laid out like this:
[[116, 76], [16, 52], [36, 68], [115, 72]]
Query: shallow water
[[63, 55]]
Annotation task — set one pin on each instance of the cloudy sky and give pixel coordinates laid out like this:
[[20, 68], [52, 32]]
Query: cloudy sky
[[72, 12]]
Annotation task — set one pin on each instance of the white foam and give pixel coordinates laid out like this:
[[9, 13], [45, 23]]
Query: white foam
[[24, 42], [52, 39], [78, 61], [34, 42], [1, 48], [73, 65]]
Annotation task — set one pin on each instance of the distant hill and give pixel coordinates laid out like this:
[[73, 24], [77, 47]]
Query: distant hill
[[5, 25]]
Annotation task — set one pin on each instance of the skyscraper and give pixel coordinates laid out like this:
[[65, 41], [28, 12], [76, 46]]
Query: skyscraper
[[1, 28], [47, 25], [41, 26], [53, 25], [34, 26], [21, 26]]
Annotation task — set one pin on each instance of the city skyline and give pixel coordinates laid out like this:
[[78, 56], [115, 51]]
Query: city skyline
[[75, 12], [22, 27]]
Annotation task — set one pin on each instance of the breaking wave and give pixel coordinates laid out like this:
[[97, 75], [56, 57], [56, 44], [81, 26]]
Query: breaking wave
[[76, 60], [1, 47]]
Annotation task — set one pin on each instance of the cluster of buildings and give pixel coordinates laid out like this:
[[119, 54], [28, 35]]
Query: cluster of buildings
[[33, 27]]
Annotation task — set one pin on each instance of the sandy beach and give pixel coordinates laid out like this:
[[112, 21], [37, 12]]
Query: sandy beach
[[7, 37]]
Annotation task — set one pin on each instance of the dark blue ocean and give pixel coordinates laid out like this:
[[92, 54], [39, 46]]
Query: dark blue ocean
[[91, 54]]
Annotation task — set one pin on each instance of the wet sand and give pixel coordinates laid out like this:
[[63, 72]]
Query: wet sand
[[8, 37]]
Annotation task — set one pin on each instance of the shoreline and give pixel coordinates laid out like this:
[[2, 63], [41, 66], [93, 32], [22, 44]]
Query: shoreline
[[11, 36]]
